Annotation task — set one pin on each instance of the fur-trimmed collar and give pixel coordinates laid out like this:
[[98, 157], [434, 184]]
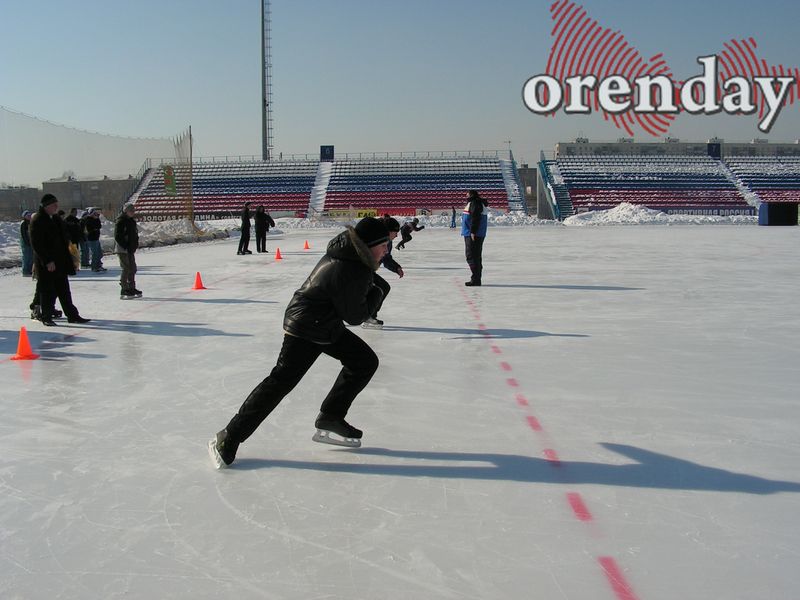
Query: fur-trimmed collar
[[362, 250]]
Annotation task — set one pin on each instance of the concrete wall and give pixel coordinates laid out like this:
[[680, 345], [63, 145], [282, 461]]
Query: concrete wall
[[106, 194]]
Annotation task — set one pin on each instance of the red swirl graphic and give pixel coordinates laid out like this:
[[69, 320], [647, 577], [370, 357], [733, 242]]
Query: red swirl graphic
[[582, 46]]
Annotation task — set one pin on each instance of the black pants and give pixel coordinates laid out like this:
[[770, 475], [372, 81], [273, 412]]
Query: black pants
[[51, 286], [359, 364], [261, 240], [385, 288], [244, 241], [473, 249], [406, 238]]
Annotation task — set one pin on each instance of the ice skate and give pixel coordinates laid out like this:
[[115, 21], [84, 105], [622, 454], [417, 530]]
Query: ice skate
[[337, 432], [222, 450], [127, 295], [372, 323]]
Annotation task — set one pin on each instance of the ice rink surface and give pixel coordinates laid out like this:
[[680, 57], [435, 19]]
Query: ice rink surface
[[614, 415]]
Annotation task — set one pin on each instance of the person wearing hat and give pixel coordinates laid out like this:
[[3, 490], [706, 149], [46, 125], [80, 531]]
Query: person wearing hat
[[52, 262], [339, 290], [406, 229], [126, 242], [25, 244], [474, 223], [93, 227]]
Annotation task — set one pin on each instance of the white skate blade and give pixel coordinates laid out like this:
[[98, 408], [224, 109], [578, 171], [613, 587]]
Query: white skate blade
[[324, 436], [215, 457], [366, 325]]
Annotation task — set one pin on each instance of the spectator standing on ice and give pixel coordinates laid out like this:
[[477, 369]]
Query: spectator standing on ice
[[93, 227], [263, 221], [453, 217], [126, 242], [244, 240], [474, 224], [340, 288], [77, 235], [52, 262], [406, 230], [25, 244]]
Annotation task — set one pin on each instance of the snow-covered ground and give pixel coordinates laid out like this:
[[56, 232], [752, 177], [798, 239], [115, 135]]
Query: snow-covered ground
[[612, 416], [172, 232]]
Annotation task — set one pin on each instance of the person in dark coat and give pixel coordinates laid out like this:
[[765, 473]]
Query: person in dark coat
[[77, 235], [86, 253], [406, 229], [126, 242], [474, 224], [25, 244], [340, 289], [244, 240], [452, 217], [93, 227], [263, 222], [52, 262], [393, 227]]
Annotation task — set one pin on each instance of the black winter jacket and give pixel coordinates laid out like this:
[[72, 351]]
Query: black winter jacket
[[340, 288], [93, 227], [50, 243], [126, 235], [263, 221], [25, 232]]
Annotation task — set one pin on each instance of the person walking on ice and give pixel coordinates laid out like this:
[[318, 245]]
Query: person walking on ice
[[339, 289]]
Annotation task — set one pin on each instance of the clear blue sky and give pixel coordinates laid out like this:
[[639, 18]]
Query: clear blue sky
[[364, 75]]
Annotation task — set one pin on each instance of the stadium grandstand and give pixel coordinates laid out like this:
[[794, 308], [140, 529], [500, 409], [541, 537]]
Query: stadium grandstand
[[401, 184], [712, 178]]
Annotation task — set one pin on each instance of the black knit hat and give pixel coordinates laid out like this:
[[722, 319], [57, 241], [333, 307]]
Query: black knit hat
[[391, 224], [372, 231], [48, 199]]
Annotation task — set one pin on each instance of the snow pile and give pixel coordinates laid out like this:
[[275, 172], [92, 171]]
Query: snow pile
[[631, 214]]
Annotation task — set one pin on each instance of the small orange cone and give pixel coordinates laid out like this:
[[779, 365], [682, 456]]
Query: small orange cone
[[24, 351], [306, 246], [198, 283], [278, 254]]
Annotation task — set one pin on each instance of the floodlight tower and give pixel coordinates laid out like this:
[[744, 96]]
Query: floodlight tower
[[266, 81]]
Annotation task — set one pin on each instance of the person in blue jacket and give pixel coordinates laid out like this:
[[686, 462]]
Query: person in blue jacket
[[474, 224]]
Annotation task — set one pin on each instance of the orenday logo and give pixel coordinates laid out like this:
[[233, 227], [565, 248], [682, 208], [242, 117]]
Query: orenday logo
[[592, 68]]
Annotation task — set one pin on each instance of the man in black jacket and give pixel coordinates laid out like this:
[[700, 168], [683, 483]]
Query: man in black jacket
[[126, 242], [52, 262], [263, 221], [340, 288], [93, 227], [244, 240], [406, 229]]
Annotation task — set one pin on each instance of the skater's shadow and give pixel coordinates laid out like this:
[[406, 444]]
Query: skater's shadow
[[489, 333], [647, 470], [165, 328], [209, 300], [587, 288]]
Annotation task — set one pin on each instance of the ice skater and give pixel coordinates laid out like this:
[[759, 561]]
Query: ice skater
[[406, 230], [474, 224], [340, 288]]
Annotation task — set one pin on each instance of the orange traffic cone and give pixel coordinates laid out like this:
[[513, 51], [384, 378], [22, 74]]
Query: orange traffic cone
[[306, 246], [198, 283], [278, 254], [24, 351]]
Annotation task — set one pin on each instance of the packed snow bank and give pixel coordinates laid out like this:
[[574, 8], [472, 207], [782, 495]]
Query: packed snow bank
[[631, 214]]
